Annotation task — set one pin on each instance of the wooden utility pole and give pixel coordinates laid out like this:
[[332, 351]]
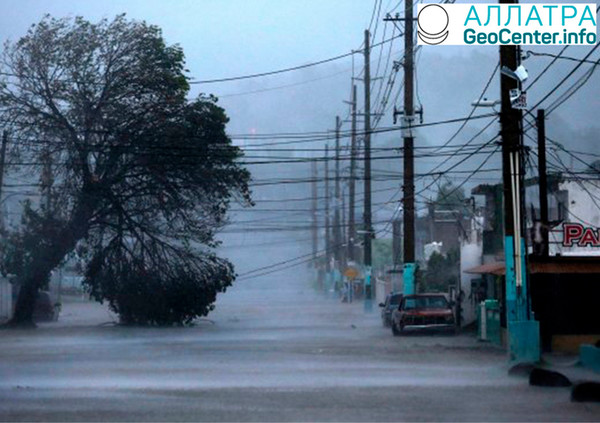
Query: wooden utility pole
[[543, 182], [343, 225], [511, 122], [352, 186], [315, 236], [396, 242], [337, 230], [523, 331], [2, 162], [327, 199], [368, 229], [47, 180], [408, 182]]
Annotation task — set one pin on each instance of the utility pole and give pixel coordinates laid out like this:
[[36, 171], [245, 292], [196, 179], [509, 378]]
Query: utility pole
[[408, 202], [409, 160], [315, 239], [352, 187], [343, 224], [327, 236], [2, 160], [47, 180], [523, 331], [396, 242], [337, 232], [367, 178], [315, 226], [543, 182]]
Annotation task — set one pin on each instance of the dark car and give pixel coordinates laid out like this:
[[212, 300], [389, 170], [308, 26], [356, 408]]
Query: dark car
[[423, 312], [45, 308], [392, 301]]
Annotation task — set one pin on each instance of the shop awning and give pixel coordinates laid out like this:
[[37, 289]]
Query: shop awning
[[494, 268], [552, 265]]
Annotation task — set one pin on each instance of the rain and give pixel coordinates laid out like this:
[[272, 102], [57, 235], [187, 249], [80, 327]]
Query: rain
[[239, 289]]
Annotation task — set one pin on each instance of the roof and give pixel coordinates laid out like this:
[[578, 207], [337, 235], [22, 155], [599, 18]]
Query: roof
[[426, 294], [555, 265]]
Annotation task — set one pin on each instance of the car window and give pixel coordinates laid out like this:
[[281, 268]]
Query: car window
[[395, 299], [424, 302], [438, 302], [410, 304]]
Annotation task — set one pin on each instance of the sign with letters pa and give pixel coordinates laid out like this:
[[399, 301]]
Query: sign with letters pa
[[577, 235]]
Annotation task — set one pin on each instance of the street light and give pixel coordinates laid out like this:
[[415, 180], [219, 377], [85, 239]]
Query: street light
[[485, 103]]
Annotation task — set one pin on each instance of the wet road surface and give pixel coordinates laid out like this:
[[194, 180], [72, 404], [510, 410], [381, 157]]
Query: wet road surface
[[269, 352]]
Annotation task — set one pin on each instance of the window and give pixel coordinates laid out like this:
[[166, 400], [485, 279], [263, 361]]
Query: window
[[395, 299], [425, 302]]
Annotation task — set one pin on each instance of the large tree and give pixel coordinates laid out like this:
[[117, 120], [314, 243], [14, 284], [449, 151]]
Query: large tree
[[141, 176], [442, 271], [450, 197]]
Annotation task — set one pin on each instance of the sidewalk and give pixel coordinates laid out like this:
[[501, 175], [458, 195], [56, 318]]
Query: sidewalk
[[570, 366]]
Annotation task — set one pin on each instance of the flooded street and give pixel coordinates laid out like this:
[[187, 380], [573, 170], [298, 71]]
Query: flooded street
[[269, 352], [220, 174]]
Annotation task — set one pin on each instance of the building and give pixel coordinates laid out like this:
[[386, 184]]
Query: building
[[565, 284]]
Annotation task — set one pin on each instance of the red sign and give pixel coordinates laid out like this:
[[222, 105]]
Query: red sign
[[575, 234]]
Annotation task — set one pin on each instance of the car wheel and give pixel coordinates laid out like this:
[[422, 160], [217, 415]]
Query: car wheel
[[395, 330]]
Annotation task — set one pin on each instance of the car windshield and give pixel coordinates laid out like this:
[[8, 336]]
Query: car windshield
[[395, 299], [425, 302]]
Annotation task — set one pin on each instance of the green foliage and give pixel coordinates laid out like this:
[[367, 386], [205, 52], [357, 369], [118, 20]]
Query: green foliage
[[449, 197], [143, 292], [382, 253], [141, 174], [442, 271], [36, 229]]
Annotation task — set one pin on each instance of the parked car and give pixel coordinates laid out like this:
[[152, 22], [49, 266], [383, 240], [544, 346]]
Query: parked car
[[423, 312], [392, 301], [45, 309]]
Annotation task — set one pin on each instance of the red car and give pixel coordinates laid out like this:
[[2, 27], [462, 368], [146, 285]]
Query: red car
[[423, 312]]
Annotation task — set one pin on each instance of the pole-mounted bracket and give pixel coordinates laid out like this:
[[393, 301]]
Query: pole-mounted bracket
[[408, 119]]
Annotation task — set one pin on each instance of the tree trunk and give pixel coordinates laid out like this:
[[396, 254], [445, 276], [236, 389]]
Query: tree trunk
[[43, 261], [23, 316]]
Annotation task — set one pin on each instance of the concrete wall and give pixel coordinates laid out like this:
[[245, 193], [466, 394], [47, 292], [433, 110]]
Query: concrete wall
[[470, 256], [575, 202], [582, 205], [382, 289]]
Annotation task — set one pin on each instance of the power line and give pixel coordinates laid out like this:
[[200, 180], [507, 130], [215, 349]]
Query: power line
[[280, 87], [284, 70], [562, 81], [485, 88]]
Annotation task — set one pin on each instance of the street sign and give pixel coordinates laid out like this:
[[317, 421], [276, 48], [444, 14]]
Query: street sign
[[351, 273]]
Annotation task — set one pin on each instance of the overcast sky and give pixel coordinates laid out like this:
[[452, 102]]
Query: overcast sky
[[223, 38], [226, 38]]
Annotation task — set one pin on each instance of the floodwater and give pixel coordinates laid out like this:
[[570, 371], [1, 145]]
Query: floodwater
[[273, 350]]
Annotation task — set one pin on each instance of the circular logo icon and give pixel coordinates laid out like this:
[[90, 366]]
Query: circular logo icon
[[433, 22]]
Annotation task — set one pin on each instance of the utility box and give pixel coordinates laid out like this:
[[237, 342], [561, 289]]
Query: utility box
[[488, 321]]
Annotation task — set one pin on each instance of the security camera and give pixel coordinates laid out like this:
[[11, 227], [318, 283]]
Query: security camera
[[520, 74]]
